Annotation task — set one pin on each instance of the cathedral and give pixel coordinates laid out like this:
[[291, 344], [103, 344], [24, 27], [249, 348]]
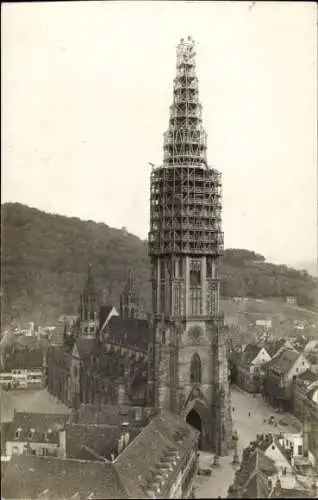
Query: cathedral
[[177, 360], [104, 356]]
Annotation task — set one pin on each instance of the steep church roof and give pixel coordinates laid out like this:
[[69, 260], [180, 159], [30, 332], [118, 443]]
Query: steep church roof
[[89, 287], [130, 331]]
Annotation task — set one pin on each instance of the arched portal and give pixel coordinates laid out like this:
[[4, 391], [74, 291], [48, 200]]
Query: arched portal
[[194, 419]]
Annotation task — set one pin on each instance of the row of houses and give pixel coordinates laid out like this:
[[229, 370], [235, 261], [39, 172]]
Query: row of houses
[[276, 466], [113, 453], [286, 378], [257, 367]]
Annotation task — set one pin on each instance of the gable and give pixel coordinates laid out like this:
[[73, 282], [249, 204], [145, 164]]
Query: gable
[[274, 452], [311, 345], [313, 395], [261, 357], [109, 313], [251, 352], [289, 345], [300, 365]]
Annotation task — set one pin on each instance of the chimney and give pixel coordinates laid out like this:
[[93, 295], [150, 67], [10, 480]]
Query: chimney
[[306, 430], [62, 443]]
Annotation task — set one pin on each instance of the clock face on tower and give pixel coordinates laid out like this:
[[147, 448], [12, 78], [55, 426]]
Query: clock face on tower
[[195, 332]]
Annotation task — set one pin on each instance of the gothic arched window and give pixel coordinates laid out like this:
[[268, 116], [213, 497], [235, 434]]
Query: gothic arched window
[[195, 369]]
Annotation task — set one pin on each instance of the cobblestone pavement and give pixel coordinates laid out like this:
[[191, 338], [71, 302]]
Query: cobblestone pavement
[[247, 427]]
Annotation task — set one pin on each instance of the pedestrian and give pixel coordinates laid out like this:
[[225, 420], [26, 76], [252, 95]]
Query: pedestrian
[[249, 413], [233, 408]]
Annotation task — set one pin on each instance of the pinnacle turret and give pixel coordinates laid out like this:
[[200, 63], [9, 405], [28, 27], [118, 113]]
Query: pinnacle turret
[[129, 300], [89, 287], [185, 140]]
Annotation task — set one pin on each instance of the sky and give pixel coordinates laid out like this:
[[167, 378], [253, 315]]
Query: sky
[[86, 89]]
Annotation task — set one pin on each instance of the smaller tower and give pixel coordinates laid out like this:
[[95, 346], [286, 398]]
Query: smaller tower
[[89, 308], [129, 299]]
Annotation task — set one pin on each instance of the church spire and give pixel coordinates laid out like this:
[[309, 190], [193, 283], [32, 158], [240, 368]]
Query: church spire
[[89, 287], [129, 300], [89, 307], [185, 140]]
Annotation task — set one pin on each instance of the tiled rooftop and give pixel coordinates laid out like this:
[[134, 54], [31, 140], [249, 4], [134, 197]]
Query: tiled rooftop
[[101, 439], [273, 347], [24, 359], [256, 486], [254, 472], [284, 361], [308, 377], [250, 353], [148, 454], [44, 425], [131, 331], [28, 476]]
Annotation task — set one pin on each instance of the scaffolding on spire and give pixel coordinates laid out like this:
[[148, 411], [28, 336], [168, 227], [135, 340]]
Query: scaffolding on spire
[[185, 192], [185, 141]]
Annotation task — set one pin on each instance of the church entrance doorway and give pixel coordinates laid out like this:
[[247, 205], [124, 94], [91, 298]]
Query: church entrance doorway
[[194, 419]]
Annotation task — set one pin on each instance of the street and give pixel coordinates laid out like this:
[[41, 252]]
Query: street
[[247, 427]]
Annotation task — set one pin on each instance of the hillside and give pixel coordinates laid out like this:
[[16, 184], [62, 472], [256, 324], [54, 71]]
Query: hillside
[[310, 267], [45, 259]]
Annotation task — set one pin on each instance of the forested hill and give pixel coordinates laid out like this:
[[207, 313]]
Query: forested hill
[[45, 259]]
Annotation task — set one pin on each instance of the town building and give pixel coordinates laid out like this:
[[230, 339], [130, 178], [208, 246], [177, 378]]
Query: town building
[[304, 403], [251, 367], [34, 434], [26, 329], [162, 461], [311, 346], [280, 373], [255, 477], [273, 448], [22, 365], [270, 469], [58, 435], [291, 300], [189, 367], [266, 323]]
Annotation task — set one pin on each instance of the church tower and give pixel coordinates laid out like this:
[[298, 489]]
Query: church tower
[[129, 299], [89, 308], [189, 372]]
